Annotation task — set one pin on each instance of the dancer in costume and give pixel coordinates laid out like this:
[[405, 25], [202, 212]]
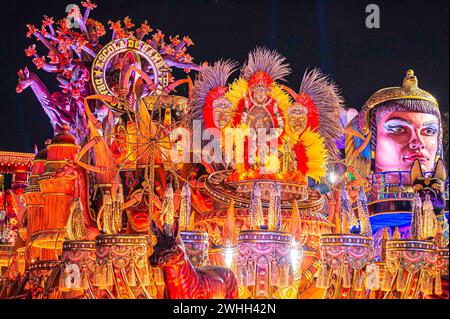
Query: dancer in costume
[[258, 100]]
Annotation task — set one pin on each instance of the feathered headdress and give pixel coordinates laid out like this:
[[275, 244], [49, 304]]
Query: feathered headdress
[[323, 101], [263, 67], [266, 66], [210, 85]]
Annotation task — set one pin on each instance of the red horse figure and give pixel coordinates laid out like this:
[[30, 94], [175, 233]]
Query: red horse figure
[[182, 280]]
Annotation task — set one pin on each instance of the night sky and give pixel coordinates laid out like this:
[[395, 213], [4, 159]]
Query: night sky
[[311, 33]]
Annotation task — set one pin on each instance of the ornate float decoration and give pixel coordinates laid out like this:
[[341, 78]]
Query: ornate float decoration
[[252, 222], [411, 268], [415, 261], [347, 259], [235, 189], [121, 267], [77, 269]]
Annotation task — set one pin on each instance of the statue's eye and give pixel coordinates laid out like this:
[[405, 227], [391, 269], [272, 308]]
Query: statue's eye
[[429, 131], [396, 129]]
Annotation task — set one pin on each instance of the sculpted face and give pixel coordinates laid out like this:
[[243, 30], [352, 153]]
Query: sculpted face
[[222, 112], [260, 93], [297, 118], [403, 137], [138, 214], [139, 219]]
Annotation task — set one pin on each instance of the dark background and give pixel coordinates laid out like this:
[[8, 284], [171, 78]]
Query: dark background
[[328, 34]]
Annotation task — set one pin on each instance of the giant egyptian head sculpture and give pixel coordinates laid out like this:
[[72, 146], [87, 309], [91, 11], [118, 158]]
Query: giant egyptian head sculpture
[[399, 125]]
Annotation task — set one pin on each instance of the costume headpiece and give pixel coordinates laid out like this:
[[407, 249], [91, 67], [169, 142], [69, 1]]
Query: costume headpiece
[[320, 96], [210, 85], [264, 67], [408, 91]]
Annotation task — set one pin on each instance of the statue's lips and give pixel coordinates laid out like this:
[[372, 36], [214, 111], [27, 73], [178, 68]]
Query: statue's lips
[[140, 216], [412, 157]]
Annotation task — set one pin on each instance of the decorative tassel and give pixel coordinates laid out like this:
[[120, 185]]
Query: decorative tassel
[[322, 279], [75, 227], [429, 219], [240, 276], [256, 211], [396, 235], [132, 275], [76, 284], [244, 276], [159, 277], [118, 208], [358, 280], [401, 280], [144, 276], [416, 217], [98, 276], [167, 209], [278, 217], [429, 285], [291, 276], [387, 281], [108, 213], [185, 207], [284, 276], [63, 278], [438, 284], [109, 280], [84, 279], [251, 273], [372, 277], [423, 281], [384, 239], [274, 272], [346, 277]]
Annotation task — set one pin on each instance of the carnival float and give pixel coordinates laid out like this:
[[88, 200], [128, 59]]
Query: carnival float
[[244, 187]]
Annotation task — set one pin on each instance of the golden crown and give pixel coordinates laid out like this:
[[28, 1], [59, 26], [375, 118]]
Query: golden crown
[[409, 90]]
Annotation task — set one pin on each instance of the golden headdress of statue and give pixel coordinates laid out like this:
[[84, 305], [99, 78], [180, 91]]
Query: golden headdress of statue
[[409, 90]]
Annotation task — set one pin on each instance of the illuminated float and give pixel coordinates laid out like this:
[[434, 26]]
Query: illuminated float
[[233, 188]]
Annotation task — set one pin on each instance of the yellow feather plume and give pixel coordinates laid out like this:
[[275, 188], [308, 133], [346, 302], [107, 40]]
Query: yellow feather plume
[[236, 91], [316, 154], [284, 100]]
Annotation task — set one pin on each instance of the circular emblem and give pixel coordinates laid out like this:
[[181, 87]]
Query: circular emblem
[[107, 58]]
